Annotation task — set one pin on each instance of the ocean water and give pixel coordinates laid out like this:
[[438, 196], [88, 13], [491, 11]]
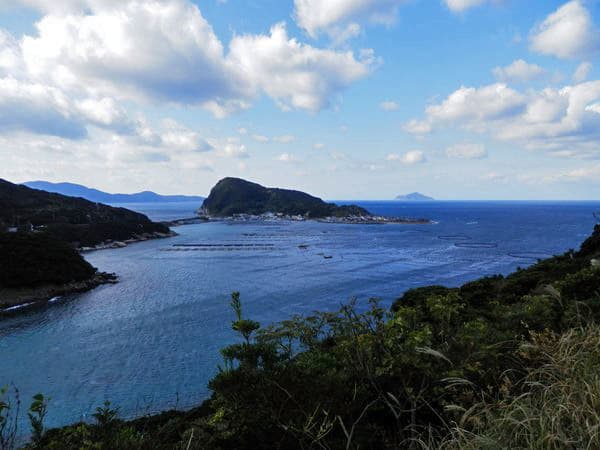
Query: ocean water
[[152, 341]]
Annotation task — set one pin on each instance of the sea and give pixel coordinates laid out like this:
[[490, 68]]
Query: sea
[[152, 341]]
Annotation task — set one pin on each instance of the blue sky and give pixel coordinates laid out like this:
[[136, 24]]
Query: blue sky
[[346, 99]]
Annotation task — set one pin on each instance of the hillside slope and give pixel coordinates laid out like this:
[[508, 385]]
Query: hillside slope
[[75, 220]]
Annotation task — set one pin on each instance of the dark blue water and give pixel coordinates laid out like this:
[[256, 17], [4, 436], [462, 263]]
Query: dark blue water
[[152, 341]]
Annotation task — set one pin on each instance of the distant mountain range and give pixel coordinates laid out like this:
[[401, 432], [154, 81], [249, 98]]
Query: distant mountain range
[[94, 195], [236, 196], [414, 197]]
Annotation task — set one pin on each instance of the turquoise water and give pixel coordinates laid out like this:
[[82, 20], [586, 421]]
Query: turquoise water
[[152, 341]]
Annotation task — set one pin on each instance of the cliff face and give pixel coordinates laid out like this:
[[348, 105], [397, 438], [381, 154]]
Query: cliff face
[[236, 196], [71, 219]]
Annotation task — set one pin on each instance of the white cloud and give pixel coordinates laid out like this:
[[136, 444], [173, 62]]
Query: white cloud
[[466, 150], [462, 5], [242, 131], [165, 51], [389, 105], [228, 147], [594, 107], [319, 146], [340, 17], [518, 70], [285, 139], [287, 158], [408, 158], [567, 33], [418, 127], [260, 138], [582, 72], [155, 50], [486, 103], [550, 119], [181, 138], [43, 109], [295, 75]]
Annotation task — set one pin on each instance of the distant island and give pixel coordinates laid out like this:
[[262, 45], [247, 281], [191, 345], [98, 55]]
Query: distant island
[[240, 199], [414, 197], [94, 195]]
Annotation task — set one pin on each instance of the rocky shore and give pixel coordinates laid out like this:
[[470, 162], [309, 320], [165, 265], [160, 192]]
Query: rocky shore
[[15, 299], [111, 244]]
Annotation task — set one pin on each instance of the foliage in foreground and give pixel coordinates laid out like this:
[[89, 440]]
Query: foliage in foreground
[[555, 406], [500, 362]]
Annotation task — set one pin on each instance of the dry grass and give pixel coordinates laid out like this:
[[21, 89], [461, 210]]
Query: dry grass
[[556, 406]]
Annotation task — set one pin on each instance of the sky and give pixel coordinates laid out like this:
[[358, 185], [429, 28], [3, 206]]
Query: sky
[[345, 99]]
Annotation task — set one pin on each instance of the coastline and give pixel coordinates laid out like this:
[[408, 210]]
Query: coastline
[[112, 244], [14, 300], [344, 220]]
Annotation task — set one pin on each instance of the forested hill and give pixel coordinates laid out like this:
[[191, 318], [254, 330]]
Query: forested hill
[[75, 220], [236, 196]]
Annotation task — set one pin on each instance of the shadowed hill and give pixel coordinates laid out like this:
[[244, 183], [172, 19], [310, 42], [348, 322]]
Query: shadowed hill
[[236, 196], [75, 220]]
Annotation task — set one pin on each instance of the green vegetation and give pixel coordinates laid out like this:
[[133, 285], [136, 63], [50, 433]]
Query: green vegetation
[[502, 362], [71, 219], [236, 196], [34, 259]]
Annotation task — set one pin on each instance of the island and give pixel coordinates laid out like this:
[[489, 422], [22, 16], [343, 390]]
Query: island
[[95, 195], [238, 199], [414, 197]]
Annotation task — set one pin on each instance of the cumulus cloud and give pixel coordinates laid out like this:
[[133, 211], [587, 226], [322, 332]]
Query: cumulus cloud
[[155, 50], [389, 105], [42, 109], [164, 51], [409, 158], [486, 103], [340, 18], [518, 70], [567, 33], [550, 119], [466, 150], [295, 75]]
